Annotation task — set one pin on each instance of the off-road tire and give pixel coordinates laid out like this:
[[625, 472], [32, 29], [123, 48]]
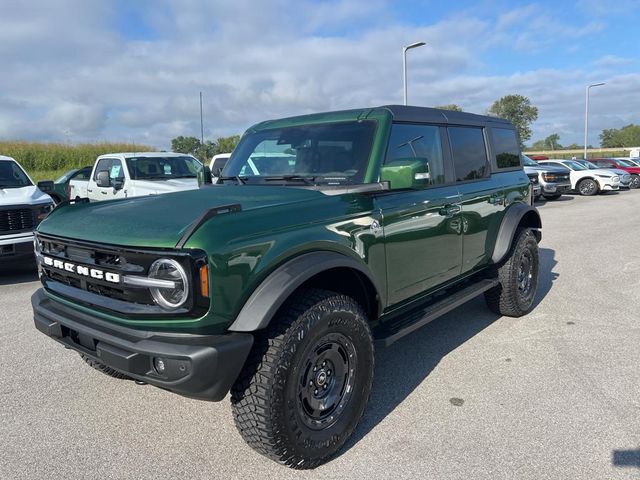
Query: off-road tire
[[587, 187], [268, 399], [552, 196], [508, 297], [101, 367]]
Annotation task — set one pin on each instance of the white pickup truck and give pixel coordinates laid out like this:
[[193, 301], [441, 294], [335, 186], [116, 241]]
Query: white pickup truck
[[124, 175], [22, 206]]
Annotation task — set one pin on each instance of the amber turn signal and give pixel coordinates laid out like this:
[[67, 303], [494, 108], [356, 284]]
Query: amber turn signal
[[204, 281]]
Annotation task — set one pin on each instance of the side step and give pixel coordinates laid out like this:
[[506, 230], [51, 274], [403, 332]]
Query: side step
[[394, 330]]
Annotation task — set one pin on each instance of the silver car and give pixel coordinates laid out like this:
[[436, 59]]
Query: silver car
[[625, 177]]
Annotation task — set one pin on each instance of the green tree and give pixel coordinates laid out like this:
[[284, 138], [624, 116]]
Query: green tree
[[226, 144], [185, 145], [627, 136], [551, 142], [539, 145], [451, 106], [519, 111], [573, 146]]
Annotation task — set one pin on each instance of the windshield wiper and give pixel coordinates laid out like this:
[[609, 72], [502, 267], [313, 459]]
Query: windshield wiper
[[237, 178], [294, 178]]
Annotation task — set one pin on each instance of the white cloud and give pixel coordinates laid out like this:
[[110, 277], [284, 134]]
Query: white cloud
[[260, 60]]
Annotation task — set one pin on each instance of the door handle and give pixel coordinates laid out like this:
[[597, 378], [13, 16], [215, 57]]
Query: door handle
[[449, 210], [103, 192], [90, 191]]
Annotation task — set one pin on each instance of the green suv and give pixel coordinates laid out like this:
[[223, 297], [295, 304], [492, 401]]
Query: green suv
[[326, 235]]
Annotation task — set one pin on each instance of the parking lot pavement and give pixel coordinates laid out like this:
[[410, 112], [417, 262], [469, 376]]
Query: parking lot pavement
[[553, 395]]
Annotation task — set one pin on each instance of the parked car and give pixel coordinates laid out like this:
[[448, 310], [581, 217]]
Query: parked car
[[535, 185], [217, 164], [22, 207], [275, 285], [585, 181], [61, 189], [553, 181], [125, 175], [625, 178], [625, 165], [633, 160]]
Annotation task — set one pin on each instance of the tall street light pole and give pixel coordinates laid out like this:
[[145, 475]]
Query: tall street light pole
[[586, 117], [201, 122], [404, 65]]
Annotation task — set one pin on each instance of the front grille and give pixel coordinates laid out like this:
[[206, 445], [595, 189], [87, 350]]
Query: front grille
[[106, 259], [17, 220], [556, 177]]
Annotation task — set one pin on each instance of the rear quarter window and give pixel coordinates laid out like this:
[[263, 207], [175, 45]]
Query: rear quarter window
[[505, 147]]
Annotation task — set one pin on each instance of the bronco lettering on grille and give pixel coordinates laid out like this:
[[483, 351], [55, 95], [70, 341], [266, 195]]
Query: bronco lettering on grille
[[82, 270]]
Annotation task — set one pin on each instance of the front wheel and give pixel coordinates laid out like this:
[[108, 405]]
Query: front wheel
[[588, 187], [307, 381], [635, 181], [518, 278]]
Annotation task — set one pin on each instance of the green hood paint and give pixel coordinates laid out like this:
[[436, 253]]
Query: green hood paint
[[160, 220]]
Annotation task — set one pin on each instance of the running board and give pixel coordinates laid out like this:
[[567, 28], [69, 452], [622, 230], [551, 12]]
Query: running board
[[394, 330]]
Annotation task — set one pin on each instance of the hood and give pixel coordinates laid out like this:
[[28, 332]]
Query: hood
[[545, 168], [160, 220], [146, 187], [23, 196]]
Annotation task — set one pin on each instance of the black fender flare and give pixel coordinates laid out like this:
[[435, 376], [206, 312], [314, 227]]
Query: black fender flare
[[512, 218], [274, 290]]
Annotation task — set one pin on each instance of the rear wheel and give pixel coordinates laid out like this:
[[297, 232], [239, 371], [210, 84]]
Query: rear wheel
[[588, 187], [307, 381], [518, 277]]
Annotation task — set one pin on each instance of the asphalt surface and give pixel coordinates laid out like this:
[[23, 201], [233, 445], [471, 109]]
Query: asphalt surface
[[553, 395]]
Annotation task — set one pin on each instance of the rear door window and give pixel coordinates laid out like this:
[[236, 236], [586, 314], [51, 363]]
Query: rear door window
[[469, 153]]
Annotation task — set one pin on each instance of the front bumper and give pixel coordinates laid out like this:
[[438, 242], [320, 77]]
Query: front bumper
[[16, 247], [197, 366], [551, 188]]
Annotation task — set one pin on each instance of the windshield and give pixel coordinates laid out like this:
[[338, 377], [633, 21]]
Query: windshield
[[12, 176], [575, 165], [330, 153], [528, 162], [156, 168], [589, 165], [625, 163]]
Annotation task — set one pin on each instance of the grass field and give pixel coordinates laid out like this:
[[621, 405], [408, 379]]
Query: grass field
[[47, 161]]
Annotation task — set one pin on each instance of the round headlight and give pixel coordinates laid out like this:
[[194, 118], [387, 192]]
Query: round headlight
[[170, 297]]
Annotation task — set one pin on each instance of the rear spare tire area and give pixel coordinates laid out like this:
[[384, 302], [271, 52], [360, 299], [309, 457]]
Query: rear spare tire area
[[307, 380]]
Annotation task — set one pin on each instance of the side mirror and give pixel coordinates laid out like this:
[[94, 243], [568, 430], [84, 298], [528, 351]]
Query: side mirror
[[45, 186], [406, 173], [204, 176], [102, 179], [118, 183]]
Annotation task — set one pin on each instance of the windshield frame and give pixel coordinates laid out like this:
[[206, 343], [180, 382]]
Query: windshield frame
[[29, 181]]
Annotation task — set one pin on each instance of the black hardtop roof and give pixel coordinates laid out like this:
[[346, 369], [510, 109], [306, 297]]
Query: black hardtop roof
[[408, 113], [400, 113]]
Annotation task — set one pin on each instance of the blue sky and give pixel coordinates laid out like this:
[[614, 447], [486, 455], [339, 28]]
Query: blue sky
[[132, 70]]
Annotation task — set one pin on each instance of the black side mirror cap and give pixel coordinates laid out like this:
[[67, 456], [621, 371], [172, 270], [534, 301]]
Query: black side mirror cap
[[45, 186]]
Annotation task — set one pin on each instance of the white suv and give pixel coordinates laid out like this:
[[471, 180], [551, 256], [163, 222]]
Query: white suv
[[22, 207], [584, 181]]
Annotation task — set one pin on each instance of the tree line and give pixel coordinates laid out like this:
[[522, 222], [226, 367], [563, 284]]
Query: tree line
[[515, 108]]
